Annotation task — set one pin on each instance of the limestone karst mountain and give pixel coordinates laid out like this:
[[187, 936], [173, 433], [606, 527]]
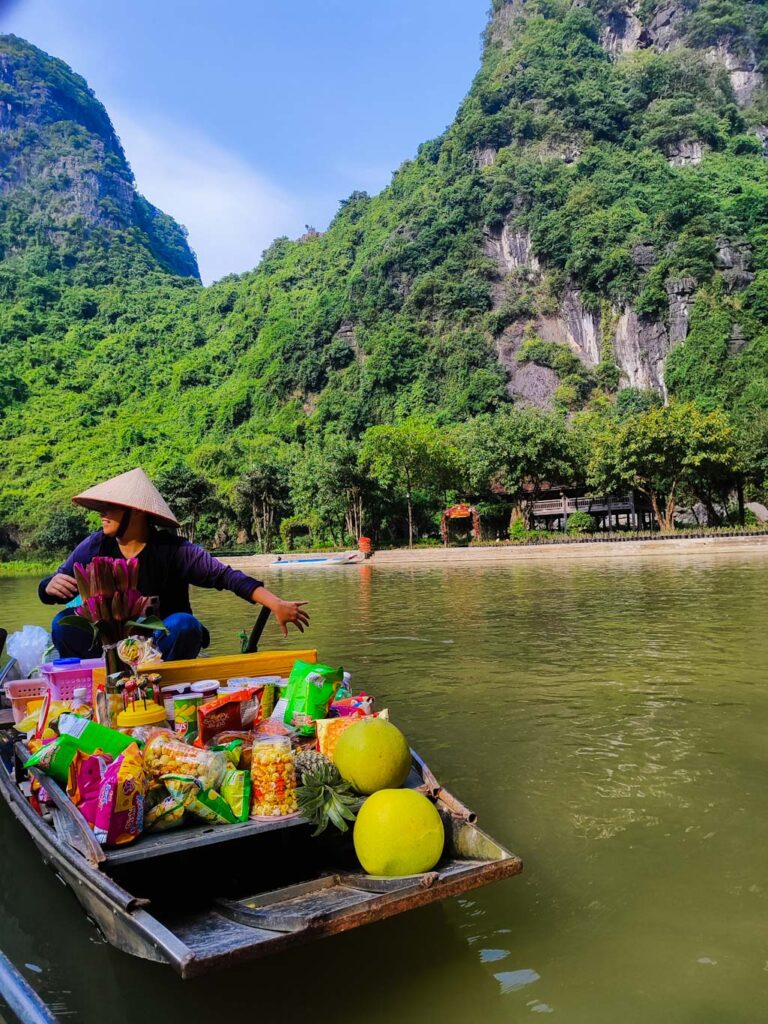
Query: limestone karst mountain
[[595, 218]]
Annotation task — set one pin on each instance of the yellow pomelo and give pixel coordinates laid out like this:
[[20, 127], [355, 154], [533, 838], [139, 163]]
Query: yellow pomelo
[[372, 754], [398, 832]]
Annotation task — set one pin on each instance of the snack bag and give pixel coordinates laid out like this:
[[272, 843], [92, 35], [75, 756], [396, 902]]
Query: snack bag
[[86, 773], [236, 790], [54, 758], [164, 754], [168, 813], [311, 688], [232, 751], [206, 804], [273, 727], [328, 732], [357, 707], [120, 813], [233, 712]]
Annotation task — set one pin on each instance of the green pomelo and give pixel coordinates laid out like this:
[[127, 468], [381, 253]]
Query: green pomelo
[[398, 832], [373, 754]]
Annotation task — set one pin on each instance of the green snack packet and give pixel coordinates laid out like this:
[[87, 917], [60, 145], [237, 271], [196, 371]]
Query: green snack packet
[[168, 812], [236, 790], [207, 804], [310, 690], [54, 758], [231, 751]]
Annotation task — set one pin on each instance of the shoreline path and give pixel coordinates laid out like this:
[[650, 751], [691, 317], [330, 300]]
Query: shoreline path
[[497, 554]]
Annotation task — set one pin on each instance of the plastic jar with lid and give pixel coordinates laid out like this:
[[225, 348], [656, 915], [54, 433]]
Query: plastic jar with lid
[[207, 688], [273, 778], [140, 714]]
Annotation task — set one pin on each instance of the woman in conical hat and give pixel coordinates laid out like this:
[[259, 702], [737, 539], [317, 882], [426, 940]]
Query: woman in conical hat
[[131, 508]]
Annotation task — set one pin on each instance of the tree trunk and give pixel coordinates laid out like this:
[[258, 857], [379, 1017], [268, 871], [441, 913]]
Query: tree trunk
[[669, 514], [655, 506], [740, 499]]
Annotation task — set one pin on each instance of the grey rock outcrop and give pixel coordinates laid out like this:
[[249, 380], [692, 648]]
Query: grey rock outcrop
[[622, 31], [743, 71], [510, 249], [680, 292], [684, 152], [640, 347]]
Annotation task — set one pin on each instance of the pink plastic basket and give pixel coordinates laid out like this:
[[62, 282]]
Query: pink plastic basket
[[21, 691], [65, 679]]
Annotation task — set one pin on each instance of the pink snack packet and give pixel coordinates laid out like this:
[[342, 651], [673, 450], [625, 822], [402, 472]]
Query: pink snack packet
[[120, 813]]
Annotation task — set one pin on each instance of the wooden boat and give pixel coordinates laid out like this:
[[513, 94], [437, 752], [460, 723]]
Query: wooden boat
[[209, 896], [316, 562]]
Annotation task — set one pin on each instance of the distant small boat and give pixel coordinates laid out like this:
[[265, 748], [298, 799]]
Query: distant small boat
[[318, 561]]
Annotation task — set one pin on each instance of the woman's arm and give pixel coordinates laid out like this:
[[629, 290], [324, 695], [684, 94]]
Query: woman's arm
[[284, 611], [61, 586], [203, 570]]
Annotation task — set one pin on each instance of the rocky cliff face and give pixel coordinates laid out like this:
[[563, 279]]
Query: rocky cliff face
[[63, 174], [637, 341]]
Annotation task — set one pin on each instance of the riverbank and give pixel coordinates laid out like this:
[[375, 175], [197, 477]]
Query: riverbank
[[14, 570], [721, 544], [715, 543]]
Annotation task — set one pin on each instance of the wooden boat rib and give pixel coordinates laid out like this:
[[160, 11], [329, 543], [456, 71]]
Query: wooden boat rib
[[192, 898]]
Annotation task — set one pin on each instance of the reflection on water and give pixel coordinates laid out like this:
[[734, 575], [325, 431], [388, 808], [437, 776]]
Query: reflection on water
[[607, 721]]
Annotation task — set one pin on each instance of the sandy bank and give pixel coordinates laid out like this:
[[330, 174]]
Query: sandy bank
[[559, 552]]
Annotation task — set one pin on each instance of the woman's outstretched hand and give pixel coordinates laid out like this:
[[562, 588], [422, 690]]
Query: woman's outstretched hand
[[291, 611], [284, 611]]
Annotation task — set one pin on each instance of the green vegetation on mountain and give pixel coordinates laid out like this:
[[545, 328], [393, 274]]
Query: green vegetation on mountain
[[604, 177]]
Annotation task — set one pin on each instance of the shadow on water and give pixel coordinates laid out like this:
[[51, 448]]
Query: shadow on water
[[607, 721]]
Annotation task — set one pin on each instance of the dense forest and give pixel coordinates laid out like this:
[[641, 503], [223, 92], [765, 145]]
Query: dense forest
[[569, 284]]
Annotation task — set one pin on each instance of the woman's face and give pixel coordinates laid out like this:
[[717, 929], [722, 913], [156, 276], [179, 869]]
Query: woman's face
[[111, 517]]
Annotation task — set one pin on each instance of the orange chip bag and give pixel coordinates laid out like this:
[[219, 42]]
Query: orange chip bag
[[232, 712], [328, 732]]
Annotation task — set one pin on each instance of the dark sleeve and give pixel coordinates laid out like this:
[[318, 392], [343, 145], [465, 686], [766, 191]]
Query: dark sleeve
[[83, 553], [196, 566]]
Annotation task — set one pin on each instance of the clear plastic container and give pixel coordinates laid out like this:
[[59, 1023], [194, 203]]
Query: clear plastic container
[[273, 778], [166, 755]]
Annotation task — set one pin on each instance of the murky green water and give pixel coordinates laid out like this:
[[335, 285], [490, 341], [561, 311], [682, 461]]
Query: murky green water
[[608, 722]]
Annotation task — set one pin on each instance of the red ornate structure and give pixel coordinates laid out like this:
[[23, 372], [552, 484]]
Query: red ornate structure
[[460, 512]]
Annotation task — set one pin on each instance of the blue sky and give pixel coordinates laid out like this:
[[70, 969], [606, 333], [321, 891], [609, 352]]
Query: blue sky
[[248, 120]]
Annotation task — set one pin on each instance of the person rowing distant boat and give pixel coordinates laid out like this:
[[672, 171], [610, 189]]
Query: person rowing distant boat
[[131, 509]]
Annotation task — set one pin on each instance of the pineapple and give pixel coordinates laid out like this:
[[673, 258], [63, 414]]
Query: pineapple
[[323, 795], [308, 761]]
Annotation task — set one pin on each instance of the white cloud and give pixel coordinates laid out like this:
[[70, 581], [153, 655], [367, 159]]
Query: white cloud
[[231, 211]]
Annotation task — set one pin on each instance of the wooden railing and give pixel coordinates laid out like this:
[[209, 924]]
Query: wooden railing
[[565, 506]]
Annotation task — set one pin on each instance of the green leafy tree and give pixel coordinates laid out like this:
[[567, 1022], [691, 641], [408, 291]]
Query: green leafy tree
[[660, 451], [63, 531], [190, 495], [518, 450], [327, 482], [261, 495], [409, 455]]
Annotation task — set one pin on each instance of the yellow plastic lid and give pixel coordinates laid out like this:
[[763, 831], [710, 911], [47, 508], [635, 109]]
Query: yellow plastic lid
[[137, 715]]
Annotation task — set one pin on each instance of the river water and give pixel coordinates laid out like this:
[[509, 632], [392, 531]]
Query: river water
[[607, 721]]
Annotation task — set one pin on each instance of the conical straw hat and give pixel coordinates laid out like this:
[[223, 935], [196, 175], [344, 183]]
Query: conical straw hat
[[134, 490]]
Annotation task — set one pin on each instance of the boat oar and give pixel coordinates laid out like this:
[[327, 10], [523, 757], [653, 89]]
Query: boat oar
[[252, 644]]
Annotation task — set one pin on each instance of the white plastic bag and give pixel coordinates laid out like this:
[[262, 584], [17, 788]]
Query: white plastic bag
[[28, 647]]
